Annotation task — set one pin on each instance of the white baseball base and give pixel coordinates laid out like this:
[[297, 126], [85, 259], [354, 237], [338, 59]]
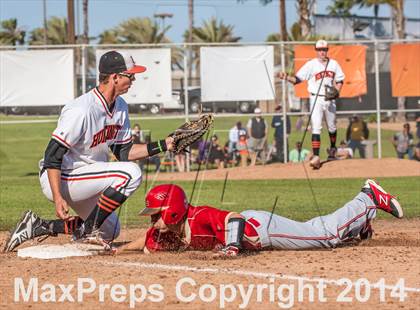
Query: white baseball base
[[53, 251]]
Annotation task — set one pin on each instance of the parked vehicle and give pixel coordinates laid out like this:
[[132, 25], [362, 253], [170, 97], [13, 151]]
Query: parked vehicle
[[194, 103]]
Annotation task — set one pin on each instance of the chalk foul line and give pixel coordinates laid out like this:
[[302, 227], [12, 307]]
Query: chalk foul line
[[243, 273]]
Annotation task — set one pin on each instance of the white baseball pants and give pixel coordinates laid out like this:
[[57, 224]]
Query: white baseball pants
[[323, 107], [82, 187], [326, 231]]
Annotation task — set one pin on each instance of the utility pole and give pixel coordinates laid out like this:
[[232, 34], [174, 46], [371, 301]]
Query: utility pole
[[85, 22], [162, 16], [283, 27], [190, 35], [44, 9], [70, 22]]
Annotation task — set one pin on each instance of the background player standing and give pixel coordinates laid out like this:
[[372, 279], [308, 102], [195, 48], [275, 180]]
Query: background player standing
[[75, 171], [321, 73]]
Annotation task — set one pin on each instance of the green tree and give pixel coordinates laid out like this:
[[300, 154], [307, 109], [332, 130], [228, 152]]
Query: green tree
[[141, 30], [10, 34], [343, 8], [56, 32], [213, 31], [109, 37]]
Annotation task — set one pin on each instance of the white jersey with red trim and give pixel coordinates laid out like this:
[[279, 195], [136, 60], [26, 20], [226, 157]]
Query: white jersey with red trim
[[88, 128], [313, 71]]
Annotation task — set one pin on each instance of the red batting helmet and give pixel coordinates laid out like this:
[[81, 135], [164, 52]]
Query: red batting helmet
[[168, 200]]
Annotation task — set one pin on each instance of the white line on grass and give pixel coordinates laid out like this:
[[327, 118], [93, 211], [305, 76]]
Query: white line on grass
[[244, 273]]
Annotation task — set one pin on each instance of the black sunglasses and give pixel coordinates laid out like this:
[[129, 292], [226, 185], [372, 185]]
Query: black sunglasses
[[323, 49], [127, 75]]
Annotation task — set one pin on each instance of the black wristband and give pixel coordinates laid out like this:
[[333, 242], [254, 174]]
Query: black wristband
[[156, 147], [235, 233]]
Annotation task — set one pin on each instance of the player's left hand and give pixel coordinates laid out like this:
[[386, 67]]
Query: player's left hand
[[169, 143], [227, 252]]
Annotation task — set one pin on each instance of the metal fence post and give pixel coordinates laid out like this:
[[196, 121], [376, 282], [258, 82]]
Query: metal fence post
[[378, 101], [186, 104], [84, 68], [283, 102]]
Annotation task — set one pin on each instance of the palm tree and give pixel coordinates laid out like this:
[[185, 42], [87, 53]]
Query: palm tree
[[10, 34], [213, 31], [141, 30], [109, 37], [343, 8], [56, 32], [304, 9]]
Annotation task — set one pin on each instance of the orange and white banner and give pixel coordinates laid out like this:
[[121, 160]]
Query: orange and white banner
[[405, 70]]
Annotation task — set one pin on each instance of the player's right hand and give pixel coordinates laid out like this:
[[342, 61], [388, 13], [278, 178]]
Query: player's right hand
[[62, 209], [282, 75]]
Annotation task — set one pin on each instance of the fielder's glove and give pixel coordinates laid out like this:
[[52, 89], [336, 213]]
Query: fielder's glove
[[331, 93], [190, 132]]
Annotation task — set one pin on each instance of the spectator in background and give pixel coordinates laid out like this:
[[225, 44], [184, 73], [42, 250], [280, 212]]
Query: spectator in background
[[404, 142], [299, 154], [357, 131], [344, 151], [417, 152], [277, 124], [216, 154], [137, 135], [242, 148], [234, 136], [180, 161], [203, 151], [418, 125], [257, 132], [233, 139]]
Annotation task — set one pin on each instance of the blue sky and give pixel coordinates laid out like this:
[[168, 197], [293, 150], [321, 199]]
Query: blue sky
[[252, 21]]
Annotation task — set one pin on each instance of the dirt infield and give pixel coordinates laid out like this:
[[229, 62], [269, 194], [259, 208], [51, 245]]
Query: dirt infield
[[392, 254], [352, 168]]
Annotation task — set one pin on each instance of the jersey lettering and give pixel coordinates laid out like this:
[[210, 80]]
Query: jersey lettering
[[108, 133], [329, 74]]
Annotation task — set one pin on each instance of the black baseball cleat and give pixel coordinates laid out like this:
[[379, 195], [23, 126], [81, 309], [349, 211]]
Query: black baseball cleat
[[29, 227], [332, 153]]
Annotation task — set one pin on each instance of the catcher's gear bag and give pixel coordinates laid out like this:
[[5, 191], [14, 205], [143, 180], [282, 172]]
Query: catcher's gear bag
[[190, 132], [331, 93]]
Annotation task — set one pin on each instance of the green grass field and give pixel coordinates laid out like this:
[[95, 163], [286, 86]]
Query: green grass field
[[295, 199], [22, 145]]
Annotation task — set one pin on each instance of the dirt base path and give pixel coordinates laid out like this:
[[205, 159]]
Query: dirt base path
[[352, 168], [393, 254]]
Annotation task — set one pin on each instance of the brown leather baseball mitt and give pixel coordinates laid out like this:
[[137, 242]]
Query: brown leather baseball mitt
[[331, 93], [190, 132]]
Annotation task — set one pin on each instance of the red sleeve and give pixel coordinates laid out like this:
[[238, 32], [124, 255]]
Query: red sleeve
[[156, 241]]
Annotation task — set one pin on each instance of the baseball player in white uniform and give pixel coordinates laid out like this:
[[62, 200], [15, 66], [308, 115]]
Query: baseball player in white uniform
[[320, 72], [75, 172]]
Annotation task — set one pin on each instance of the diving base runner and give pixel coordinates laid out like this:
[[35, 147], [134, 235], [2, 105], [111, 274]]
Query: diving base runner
[[179, 226]]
